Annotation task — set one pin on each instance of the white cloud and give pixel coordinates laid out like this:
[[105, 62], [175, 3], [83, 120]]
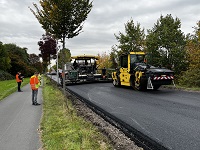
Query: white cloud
[[18, 25]]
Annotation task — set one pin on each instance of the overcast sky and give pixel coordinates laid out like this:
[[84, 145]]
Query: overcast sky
[[19, 26]]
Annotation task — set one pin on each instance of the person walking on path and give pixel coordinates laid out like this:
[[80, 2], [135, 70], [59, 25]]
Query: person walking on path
[[35, 83], [19, 79]]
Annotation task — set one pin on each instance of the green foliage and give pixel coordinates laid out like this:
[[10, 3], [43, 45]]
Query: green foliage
[[114, 57], [63, 57], [5, 76], [19, 58], [4, 59], [20, 53], [35, 62], [14, 58], [33, 58], [133, 39], [191, 77], [166, 44], [66, 54]]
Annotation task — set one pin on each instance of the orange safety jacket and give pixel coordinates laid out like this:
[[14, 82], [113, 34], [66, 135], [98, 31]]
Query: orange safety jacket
[[17, 78], [34, 82]]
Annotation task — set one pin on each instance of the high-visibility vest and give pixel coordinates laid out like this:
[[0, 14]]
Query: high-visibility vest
[[17, 78], [39, 77], [34, 82]]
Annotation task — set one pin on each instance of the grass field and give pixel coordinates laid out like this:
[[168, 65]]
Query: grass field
[[8, 87], [62, 129]]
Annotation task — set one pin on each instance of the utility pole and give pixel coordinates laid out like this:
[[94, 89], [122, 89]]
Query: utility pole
[[58, 49], [63, 66]]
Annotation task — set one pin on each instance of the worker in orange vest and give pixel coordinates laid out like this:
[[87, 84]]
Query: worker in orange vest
[[35, 83], [19, 80]]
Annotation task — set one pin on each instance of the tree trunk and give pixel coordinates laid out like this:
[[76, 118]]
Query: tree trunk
[[63, 68]]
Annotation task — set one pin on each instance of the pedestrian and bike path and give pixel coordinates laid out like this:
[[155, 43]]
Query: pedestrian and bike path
[[19, 121]]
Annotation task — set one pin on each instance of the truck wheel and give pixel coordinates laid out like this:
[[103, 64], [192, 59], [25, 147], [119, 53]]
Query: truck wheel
[[139, 86], [132, 83]]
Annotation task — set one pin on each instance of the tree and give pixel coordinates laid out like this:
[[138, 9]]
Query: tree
[[4, 59], [191, 77], [104, 61], [114, 57], [35, 62], [33, 58], [62, 18], [193, 48], [48, 49], [19, 60], [63, 56], [166, 44], [133, 39]]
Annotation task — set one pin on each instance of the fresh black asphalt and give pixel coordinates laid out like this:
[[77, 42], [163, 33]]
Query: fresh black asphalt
[[19, 121], [170, 117]]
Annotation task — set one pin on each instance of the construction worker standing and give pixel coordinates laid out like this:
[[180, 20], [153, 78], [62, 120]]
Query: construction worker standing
[[19, 79], [35, 83], [104, 72]]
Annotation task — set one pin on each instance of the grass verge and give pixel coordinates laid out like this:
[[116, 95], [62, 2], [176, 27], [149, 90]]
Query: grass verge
[[180, 87], [10, 86], [62, 129], [188, 88]]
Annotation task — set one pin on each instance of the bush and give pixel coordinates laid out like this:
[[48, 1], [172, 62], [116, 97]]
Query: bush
[[190, 78], [5, 76]]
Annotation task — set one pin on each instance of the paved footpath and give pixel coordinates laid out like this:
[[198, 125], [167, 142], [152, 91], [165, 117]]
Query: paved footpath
[[19, 121]]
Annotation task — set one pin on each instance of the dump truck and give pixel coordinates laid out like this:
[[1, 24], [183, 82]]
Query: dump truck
[[134, 71]]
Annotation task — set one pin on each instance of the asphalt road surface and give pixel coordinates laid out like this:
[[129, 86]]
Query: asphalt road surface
[[19, 121], [170, 117]]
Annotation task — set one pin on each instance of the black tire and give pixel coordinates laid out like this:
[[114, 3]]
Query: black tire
[[140, 86], [132, 82]]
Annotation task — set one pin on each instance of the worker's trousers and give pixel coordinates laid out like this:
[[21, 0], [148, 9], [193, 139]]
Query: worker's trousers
[[18, 86], [34, 96]]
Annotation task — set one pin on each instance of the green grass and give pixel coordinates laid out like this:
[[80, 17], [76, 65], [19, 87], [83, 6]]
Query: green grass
[[8, 87], [62, 129], [182, 87], [188, 88]]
